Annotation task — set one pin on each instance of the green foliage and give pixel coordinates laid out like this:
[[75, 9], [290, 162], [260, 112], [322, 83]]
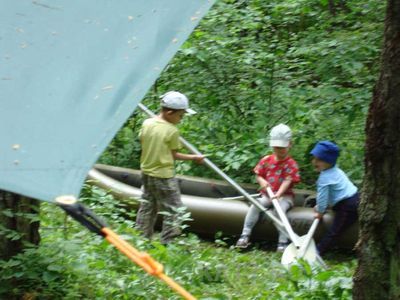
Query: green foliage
[[253, 64], [248, 66], [72, 263], [124, 147], [304, 282]]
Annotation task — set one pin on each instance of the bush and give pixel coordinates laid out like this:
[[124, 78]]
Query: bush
[[72, 263], [253, 64]]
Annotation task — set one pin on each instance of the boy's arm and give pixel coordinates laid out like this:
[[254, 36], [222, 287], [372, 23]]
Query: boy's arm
[[283, 188], [262, 182], [322, 200], [182, 156]]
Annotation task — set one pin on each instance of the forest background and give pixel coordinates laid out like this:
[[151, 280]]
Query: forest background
[[253, 64], [250, 65]]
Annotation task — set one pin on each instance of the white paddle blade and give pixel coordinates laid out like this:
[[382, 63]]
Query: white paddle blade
[[290, 255]]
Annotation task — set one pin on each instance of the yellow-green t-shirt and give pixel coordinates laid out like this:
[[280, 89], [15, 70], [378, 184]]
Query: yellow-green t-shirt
[[158, 139]]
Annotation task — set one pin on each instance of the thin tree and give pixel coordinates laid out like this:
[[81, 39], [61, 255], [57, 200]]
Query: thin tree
[[378, 272]]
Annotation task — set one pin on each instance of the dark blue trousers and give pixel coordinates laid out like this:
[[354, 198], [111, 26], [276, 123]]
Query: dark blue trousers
[[345, 215]]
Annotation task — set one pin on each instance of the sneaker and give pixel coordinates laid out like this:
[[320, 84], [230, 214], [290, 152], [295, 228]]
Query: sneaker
[[281, 247], [243, 242]]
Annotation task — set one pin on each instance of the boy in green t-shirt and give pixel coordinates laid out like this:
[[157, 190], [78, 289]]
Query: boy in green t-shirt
[[159, 138]]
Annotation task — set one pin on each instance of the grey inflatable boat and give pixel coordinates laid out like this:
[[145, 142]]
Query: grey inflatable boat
[[217, 207]]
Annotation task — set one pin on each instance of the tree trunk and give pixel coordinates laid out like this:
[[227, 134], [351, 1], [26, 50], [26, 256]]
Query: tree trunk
[[19, 224], [343, 6], [332, 7], [378, 272]]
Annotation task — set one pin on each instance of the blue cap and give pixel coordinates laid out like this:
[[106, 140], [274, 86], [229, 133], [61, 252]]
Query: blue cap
[[326, 151]]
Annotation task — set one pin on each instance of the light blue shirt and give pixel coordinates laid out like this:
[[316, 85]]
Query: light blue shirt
[[333, 186]]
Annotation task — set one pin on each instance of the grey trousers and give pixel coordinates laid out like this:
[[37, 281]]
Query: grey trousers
[[253, 214], [160, 196]]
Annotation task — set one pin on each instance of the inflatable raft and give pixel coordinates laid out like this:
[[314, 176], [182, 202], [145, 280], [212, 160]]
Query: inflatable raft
[[215, 206]]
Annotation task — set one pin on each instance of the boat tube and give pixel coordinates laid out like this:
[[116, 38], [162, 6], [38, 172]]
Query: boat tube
[[212, 208]]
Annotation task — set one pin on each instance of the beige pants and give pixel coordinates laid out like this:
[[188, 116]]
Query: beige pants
[[160, 194]]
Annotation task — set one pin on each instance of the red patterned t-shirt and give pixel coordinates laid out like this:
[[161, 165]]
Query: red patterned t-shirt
[[276, 171]]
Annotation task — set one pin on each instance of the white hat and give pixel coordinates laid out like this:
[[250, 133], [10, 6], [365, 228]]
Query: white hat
[[176, 100], [280, 136]]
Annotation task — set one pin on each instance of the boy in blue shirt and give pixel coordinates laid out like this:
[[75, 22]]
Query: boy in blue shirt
[[334, 189]]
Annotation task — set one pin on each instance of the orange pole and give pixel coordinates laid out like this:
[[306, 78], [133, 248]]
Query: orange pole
[[145, 261]]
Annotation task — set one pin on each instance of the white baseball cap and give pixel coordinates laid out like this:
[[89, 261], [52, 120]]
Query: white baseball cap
[[280, 136], [176, 100]]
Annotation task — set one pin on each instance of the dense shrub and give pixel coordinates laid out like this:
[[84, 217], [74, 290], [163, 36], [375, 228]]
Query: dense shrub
[[72, 263], [253, 64]]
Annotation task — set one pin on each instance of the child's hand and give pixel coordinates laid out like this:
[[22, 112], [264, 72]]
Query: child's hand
[[199, 159], [318, 215], [264, 185]]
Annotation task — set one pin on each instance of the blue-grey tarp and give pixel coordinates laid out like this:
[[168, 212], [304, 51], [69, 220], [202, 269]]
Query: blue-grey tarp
[[71, 73]]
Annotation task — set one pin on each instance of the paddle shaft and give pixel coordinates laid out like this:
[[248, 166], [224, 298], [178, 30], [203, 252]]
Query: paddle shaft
[[222, 174], [238, 197], [278, 224], [284, 220], [292, 235]]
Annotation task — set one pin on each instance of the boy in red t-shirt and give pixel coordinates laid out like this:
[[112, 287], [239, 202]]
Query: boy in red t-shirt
[[281, 173]]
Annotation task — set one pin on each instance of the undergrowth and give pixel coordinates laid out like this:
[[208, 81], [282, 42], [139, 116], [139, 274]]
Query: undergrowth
[[72, 263]]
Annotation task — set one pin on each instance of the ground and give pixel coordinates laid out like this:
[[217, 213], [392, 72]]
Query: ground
[[72, 263]]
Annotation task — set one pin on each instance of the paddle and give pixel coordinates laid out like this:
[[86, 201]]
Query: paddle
[[238, 197], [285, 229], [277, 223], [301, 247]]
